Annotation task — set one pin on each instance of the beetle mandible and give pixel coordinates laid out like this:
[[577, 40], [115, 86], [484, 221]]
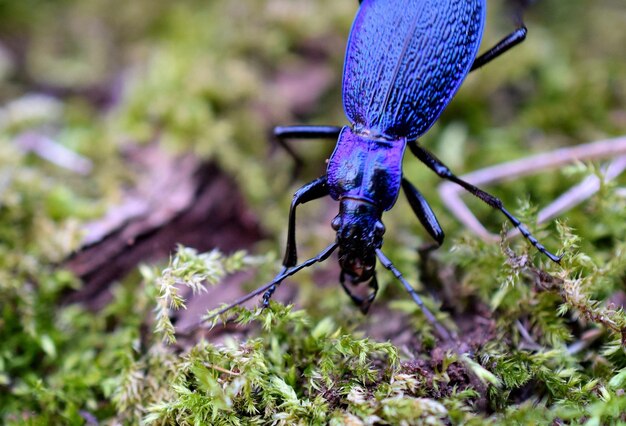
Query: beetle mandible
[[404, 62]]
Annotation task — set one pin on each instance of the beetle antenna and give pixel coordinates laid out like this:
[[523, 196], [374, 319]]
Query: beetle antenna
[[440, 329], [269, 287]]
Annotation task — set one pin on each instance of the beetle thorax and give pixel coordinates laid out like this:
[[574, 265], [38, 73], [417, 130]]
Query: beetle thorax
[[365, 168]]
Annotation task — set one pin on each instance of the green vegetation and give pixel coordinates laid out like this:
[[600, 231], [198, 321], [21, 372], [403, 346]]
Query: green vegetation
[[539, 343]]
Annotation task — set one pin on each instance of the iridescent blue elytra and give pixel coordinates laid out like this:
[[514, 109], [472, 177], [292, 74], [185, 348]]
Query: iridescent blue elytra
[[404, 62]]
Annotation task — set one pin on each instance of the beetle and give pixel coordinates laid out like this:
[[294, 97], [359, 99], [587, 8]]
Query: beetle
[[405, 60]]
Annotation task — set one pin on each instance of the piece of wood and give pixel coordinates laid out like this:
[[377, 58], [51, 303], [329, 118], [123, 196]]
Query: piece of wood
[[614, 148], [177, 200]]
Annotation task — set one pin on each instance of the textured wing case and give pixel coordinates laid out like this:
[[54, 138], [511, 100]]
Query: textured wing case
[[406, 59]]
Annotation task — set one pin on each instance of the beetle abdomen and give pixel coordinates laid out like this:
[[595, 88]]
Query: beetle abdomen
[[406, 59]]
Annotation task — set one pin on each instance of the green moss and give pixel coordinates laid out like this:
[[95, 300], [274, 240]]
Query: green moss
[[205, 77]]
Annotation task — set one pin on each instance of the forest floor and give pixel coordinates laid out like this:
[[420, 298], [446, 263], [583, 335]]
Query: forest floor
[[141, 190]]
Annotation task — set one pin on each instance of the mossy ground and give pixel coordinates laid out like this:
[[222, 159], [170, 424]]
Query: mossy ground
[[539, 343]]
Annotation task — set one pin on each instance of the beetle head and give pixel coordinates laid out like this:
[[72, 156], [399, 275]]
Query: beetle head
[[359, 233]]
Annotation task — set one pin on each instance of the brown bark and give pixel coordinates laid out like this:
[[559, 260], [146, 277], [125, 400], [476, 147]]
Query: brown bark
[[177, 200]]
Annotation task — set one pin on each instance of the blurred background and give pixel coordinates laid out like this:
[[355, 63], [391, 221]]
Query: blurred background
[[214, 78], [91, 89]]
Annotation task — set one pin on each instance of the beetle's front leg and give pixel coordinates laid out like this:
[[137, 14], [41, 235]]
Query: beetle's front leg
[[286, 272], [311, 191]]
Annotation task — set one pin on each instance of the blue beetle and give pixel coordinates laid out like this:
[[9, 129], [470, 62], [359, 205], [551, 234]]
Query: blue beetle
[[404, 62]]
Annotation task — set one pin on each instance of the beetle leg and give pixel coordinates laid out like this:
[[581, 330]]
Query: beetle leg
[[440, 329], [512, 40], [442, 171], [286, 272], [423, 212], [281, 133], [269, 288], [311, 191], [363, 303], [307, 132]]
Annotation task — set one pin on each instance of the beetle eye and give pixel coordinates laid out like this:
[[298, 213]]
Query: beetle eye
[[380, 228], [336, 223]]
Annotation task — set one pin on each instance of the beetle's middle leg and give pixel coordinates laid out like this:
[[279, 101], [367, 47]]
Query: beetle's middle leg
[[424, 212], [429, 221], [442, 171], [282, 133]]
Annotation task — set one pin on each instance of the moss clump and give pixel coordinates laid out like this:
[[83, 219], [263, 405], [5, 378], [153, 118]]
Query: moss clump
[[539, 343]]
